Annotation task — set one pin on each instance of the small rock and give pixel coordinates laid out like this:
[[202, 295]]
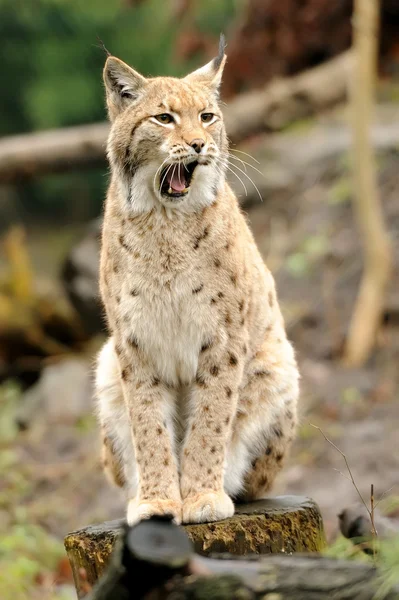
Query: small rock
[[63, 394]]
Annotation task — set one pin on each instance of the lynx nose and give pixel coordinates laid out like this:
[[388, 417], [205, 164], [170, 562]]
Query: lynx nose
[[197, 144]]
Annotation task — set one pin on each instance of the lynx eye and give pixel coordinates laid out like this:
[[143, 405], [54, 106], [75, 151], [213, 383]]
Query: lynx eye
[[207, 117], [164, 118]]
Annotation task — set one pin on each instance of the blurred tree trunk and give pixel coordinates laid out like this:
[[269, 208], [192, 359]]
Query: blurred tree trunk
[[369, 305]]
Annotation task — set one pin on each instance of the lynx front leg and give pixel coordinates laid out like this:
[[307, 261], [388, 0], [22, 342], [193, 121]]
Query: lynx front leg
[[149, 405], [213, 406]]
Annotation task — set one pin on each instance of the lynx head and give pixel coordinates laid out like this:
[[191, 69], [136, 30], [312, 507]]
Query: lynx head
[[167, 142]]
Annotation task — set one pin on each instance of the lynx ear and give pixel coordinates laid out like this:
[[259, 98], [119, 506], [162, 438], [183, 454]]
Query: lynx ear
[[211, 73], [122, 85]]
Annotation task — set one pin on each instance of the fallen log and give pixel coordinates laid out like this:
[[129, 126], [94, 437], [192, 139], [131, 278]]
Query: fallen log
[[155, 560], [287, 100], [281, 578], [276, 106], [284, 524], [55, 151]]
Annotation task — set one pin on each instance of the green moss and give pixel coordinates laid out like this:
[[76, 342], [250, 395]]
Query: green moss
[[287, 531]]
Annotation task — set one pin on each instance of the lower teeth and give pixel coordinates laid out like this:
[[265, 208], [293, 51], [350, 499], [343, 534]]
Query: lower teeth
[[171, 191]]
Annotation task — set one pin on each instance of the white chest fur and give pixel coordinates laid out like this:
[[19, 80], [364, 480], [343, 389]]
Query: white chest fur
[[169, 312], [164, 278], [171, 328]]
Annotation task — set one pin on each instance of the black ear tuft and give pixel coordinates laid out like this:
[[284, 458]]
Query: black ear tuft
[[102, 45], [222, 46]]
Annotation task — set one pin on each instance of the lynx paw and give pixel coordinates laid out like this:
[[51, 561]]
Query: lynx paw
[[137, 511], [211, 506]]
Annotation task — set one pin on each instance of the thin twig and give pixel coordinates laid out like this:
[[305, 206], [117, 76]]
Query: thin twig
[[372, 507], [383, 496], [343, 474], [371, 515]]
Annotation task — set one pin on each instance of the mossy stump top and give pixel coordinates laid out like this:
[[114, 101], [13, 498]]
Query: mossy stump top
[[284, 524]]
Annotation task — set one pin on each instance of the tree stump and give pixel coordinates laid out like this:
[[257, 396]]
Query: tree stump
[[284, 524]]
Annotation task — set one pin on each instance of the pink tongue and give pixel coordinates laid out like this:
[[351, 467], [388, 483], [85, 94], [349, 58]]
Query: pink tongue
[[176, 178]]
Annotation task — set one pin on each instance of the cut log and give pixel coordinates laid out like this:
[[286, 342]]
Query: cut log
[[270, 109], [283, 524], [155, 560]]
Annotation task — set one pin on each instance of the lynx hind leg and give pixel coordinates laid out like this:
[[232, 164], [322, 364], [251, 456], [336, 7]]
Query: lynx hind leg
[[265, 422], [260, 477], [111, 462], [117, 452]]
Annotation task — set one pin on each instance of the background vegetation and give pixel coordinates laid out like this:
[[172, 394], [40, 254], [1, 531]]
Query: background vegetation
[[52, 64]]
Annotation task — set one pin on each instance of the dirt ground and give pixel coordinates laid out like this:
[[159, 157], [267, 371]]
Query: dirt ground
[[50, 473]]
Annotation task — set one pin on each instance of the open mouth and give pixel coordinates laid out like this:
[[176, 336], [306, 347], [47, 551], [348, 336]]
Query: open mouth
[[176, 179]]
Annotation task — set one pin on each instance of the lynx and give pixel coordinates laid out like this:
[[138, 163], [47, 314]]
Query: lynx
[[197, 384]]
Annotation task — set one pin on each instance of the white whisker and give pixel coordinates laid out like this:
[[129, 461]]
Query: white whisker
[[173, 172], [246, 154], [241, 161], [248, 177], [159, 168], [244, 162], [166, 172], [239, 179]]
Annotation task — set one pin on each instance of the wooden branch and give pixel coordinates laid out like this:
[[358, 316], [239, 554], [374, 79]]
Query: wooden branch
[[284, 524], [55, 151], [274, 107], [284, 101], [155, 560], [369, 305]]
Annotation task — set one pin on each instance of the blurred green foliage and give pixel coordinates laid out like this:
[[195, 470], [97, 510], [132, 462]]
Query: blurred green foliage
[[52, 58], [386, 560], [52, 64], [26, 552]]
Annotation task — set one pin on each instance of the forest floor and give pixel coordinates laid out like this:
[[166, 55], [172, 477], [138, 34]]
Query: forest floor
[[50, 476]]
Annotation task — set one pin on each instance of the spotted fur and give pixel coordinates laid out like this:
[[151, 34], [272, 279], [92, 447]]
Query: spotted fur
[[197, 385]]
